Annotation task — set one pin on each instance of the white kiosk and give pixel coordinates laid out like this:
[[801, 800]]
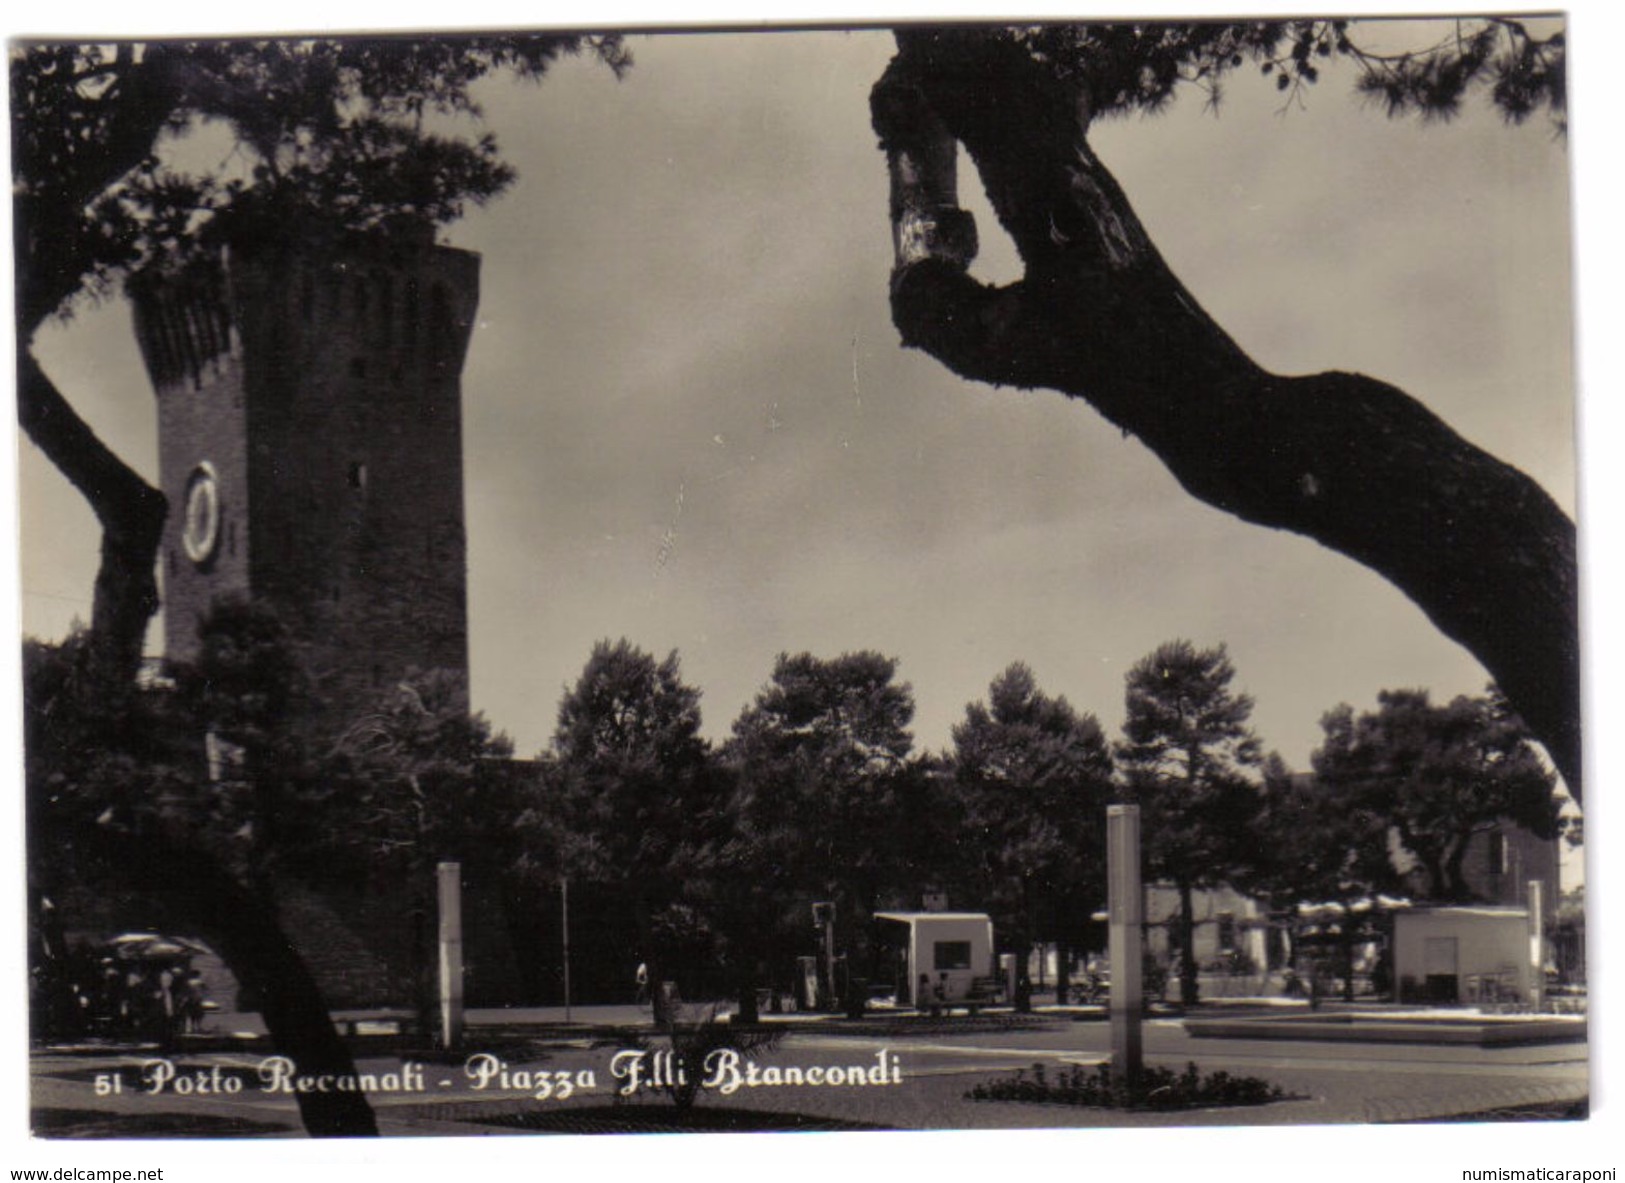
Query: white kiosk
[[942, 959]]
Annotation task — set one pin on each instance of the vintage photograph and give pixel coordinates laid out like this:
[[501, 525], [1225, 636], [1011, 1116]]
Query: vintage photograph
[[870, 578]]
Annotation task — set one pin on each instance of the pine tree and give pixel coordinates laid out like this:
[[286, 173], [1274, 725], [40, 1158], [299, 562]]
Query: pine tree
[[631, 784], [1034, 777], [821, 767], [1189, 760]]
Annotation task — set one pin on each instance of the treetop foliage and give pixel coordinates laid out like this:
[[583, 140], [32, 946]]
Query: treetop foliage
[[850, 705], [627, 706], [821, 768], [1438, 774], [103, 758], [1182, 717], [1190, 760], [630, 784], [1033, 778], [1028, 739], [354, 133], [1140, 66], [247, 683], [1317, 843]]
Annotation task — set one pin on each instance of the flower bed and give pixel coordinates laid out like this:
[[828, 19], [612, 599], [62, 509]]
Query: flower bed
[[1156, 1088]]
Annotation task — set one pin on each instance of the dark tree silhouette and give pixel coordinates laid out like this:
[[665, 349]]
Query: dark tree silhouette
[[1034, 777], [821, 771], [1345, 459], [1189, 760], [632, 786], [411, 782], [1438, 775]]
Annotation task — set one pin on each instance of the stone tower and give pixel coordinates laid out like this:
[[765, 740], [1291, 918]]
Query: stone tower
[[310, 445]]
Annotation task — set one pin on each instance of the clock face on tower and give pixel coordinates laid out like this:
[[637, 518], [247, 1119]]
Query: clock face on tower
[[200, 530]]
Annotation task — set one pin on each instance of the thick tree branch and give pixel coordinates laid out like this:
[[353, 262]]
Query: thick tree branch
[[1349, 461], [56, 253], [131, 513]]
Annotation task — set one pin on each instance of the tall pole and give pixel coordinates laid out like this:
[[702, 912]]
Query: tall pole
[[829, 961], [1537, 943], [1124, 909], [564, 906], [450, 876]]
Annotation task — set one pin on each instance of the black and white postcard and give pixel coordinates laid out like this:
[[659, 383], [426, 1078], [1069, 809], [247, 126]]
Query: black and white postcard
[[841, 578]]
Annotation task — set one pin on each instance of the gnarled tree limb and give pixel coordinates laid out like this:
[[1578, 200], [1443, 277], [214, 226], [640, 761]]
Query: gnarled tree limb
[[131, 513], [57, 249], [1349, 461]]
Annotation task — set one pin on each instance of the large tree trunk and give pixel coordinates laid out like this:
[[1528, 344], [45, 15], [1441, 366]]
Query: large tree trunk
[[1346, 460], [247, 936], [1455, 877], [1189, 988], [1063, 971], [854, 919], [1438, 890], [131, 513], [1347, 934]]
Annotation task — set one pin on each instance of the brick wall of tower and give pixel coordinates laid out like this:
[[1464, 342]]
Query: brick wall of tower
[[355, 423], [332, 398], [195, 360], [322, 387]]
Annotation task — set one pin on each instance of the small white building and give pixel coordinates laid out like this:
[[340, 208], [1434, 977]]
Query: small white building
[[938, 958], [1464, 954], [1225, 924]]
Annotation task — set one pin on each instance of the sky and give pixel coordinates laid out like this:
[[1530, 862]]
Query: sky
[[689, 420]]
